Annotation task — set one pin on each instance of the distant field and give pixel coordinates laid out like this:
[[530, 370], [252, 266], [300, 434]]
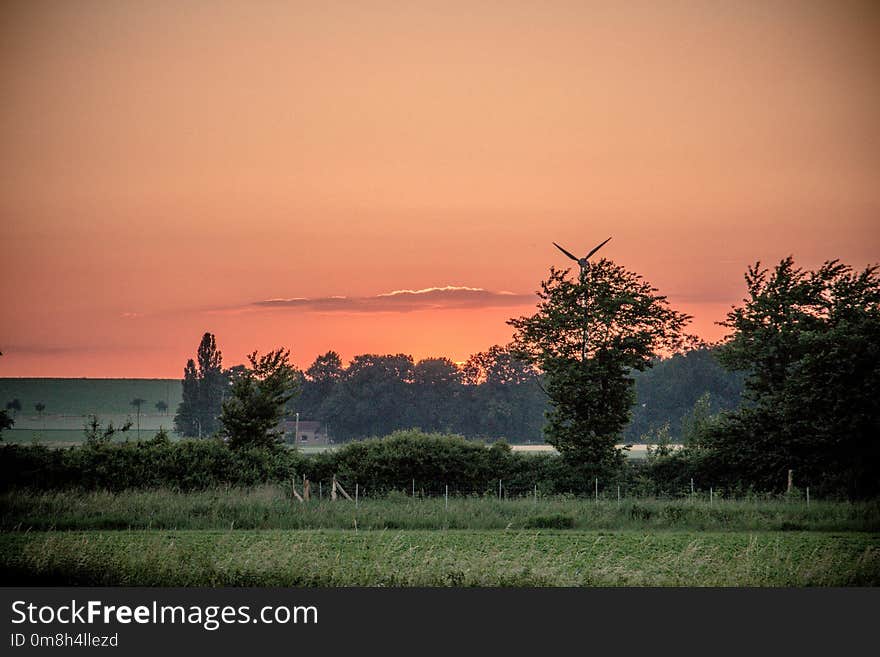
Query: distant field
[[69, 402], [438, 558], [79, 397]]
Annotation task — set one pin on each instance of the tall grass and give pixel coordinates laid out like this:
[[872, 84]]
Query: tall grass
[[272, 507], [431, 558]]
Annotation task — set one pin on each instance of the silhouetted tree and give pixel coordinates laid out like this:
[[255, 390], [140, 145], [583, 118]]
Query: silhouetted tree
[[137, 402], [505, 394], [587, 336], [373, 398], [319, 383], [14, 406], [96, 434], [252, 413], [204, 388], [162, 407], [437, 384], [211, 383], [6, 422], [809, 342], [186, 420]]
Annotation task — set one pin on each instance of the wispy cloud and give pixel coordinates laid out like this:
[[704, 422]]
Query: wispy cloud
[[448, 297]]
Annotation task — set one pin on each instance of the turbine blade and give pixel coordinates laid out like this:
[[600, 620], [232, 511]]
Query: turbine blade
[[565, 252], [596, 249]]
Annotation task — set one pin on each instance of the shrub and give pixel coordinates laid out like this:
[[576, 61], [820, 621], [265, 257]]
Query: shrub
[[554, 521], [185, 465]]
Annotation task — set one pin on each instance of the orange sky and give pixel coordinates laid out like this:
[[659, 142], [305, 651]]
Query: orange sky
[[165, 165]]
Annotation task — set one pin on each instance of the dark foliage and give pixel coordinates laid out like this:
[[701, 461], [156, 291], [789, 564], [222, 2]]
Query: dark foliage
[[810, 344], [586, 337], [185, 465], [251, 416]]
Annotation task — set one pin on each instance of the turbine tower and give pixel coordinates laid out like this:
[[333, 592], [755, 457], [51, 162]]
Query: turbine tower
[[584, 264]]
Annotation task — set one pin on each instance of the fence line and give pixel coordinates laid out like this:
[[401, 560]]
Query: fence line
[[610, 491]]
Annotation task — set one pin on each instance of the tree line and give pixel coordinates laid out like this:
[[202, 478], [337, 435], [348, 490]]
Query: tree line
[[494, 395], [804, 344]]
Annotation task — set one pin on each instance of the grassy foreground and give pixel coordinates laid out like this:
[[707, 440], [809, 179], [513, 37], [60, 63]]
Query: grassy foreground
[[438, 558]]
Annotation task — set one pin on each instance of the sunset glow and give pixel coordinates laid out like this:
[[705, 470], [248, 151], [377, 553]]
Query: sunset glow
[[389, 177]]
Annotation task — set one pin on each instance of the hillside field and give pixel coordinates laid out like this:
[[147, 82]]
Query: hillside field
[[80, 397]]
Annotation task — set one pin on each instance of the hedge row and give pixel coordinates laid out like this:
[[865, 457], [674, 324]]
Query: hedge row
[[185, 465], [432, 461]]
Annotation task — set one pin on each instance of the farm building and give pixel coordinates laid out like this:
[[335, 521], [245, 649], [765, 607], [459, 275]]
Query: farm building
[[310, 432]]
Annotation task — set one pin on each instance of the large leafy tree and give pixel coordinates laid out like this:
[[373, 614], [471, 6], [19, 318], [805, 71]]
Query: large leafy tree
[[373, 397], [251, 415], [668, 392], [436, 392], [810, 344], [588, 335], [320, 381], [506, 399]]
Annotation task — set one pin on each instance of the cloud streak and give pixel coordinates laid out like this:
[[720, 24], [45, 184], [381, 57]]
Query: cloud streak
[[449, 297]]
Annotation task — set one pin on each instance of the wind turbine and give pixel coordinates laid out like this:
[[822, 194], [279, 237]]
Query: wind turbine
[[584, 265], [582, 262]]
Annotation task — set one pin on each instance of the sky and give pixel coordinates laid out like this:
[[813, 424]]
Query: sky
[[171, 168]]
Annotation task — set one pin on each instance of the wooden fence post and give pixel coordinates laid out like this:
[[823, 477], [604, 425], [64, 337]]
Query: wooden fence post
[[341, 490], [293, 488], [333, 489]]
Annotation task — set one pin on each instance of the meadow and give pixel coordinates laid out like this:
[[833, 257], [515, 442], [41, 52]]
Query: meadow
[[439, 558], [273, 507], [263, 537], [80, 397]]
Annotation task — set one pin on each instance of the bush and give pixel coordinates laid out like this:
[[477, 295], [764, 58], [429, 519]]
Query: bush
[[185, 465], [555, 521]]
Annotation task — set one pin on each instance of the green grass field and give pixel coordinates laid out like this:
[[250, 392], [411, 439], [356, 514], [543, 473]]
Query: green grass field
[[261, 537], [439, 558], [271, 507], [79, 397]]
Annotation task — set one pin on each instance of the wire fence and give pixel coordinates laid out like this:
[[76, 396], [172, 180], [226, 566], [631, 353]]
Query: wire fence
[[595, 490]]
